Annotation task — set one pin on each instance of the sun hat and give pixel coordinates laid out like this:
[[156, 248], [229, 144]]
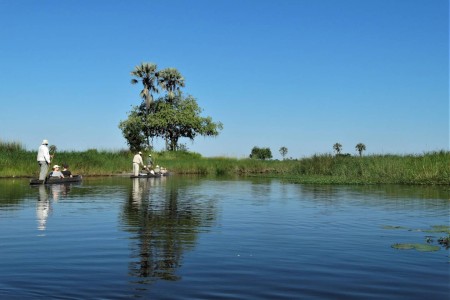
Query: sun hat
[[140, 152], [149, 155], [55, 166], [45, 142]]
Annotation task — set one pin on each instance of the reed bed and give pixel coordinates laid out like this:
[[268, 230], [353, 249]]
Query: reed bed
[[431, 168]]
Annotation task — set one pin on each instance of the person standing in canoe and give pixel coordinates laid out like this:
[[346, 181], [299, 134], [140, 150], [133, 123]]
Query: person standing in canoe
[[43, 158], [137, 161], [149, 162]]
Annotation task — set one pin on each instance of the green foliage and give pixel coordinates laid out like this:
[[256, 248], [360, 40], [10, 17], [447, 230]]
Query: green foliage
[[171, 117], [418, 247], [11, 146], [427, 169], [261, 153], [132, 131]]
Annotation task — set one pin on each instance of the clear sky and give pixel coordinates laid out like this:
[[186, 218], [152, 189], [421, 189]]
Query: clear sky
[[303, 74]]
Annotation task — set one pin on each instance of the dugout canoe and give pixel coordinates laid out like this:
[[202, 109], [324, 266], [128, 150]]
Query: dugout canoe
[[74, 178], [149, 175]]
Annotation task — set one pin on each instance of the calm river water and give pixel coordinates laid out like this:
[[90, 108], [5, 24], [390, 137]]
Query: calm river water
[[220, 238]]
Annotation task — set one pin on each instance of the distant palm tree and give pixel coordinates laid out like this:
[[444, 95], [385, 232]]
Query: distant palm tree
[[147, 74], [337, 147], [170, 80], [360, 147]]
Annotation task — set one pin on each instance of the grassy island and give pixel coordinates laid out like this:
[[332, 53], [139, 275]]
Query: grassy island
[[431, 168]]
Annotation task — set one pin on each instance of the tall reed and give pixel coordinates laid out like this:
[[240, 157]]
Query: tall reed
[[428, 168]]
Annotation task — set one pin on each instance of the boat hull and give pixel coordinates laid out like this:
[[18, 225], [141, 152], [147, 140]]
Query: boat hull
[[75, 178], [149, 175]]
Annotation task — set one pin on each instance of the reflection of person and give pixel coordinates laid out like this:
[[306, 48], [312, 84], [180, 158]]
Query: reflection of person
[[43, 158], [66, 172], [136, 192], [137, 161], [42, 208], [56, 191], [56, 173]]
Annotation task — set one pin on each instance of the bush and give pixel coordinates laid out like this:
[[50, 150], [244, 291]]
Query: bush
[[261, 153]]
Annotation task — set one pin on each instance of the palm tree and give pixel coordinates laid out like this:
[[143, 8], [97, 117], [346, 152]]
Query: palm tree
[[337, 147], [170, 80], [360, 147], [147, 74]]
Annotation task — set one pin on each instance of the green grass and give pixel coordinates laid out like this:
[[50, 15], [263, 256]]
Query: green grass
[[431, 168]]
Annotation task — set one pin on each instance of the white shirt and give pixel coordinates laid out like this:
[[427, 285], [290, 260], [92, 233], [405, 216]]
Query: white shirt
[[137, 159], [43, 154]]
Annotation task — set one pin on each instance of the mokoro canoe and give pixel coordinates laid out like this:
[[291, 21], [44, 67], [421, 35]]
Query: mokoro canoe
[[149, 175], [74, 178]]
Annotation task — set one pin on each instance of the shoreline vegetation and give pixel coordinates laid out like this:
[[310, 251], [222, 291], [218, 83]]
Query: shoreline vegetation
[[432, 168]]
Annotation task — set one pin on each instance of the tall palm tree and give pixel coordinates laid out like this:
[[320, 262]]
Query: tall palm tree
[[337, 147], [170, 80], [147, 74], [360, 147]]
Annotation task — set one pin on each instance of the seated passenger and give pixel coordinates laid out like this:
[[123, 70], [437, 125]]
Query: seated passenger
[[56, 173], [66, 171]]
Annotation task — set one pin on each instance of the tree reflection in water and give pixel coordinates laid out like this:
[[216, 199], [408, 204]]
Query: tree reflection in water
[[166, 219]]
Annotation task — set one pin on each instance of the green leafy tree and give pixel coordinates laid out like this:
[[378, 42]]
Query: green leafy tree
[[170, 120], [261, 153], [337, 147], [132, 131], [171, 117], [360, 147], [147, 74], [283, 151]]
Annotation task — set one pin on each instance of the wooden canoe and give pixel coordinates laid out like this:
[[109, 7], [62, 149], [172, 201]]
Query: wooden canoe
[[74, 178], [149, 175]]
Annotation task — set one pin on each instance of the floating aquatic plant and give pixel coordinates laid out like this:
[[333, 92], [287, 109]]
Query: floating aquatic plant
[[418, 247], [443, 241], [393, 227]]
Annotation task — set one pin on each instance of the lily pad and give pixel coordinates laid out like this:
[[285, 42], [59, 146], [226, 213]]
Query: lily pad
[[439, 228], [393, 227], [403, 246], [426, 247], [418, 247]]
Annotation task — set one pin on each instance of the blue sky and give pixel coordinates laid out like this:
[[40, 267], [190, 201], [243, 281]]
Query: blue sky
[[303, 74]]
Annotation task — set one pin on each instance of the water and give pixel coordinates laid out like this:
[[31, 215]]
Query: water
[[212, 238]]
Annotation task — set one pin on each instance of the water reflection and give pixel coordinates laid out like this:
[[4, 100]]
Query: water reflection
[[165, 220], [47, 195], [43, 208]]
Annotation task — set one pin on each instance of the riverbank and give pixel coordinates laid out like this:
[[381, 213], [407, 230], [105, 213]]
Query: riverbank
[[431, 168]]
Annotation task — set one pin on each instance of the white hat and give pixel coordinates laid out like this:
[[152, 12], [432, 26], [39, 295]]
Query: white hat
[[55, 166], [140, 152], [157, 166], [45, 142], [149, 155]]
